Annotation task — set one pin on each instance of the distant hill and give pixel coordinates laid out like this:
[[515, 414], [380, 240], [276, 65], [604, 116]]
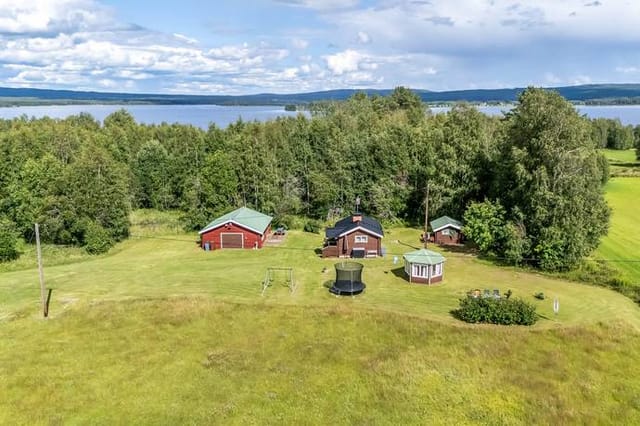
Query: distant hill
[[592, 93]]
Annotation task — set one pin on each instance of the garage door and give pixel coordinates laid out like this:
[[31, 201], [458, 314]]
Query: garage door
[[231, 240]]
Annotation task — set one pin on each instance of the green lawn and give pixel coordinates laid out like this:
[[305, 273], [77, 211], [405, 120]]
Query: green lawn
[[174, 265], [620, 156], [622, 163], [622, 244], [161, 332]]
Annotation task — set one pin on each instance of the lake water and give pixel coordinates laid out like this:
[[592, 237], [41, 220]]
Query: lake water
[[222, 116], [197, 115]]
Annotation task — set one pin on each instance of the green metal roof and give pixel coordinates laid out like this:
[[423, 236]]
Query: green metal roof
[[424, 257], [245, 217], [443, 222]]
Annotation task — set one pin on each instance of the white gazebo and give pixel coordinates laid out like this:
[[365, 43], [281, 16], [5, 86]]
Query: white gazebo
[[424, 266]]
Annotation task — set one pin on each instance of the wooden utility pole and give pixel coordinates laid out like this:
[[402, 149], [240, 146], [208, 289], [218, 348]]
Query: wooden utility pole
[[43, 296], [426, 218]]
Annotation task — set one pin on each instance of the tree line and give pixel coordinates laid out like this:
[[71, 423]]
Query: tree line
[[536, 170]]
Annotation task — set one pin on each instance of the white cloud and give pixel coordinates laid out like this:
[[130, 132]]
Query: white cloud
[[346, 61], [628, 70], [551, 78], [363, 38], [299, 43], [52, 16], [467, 25], [321, 4], [581, 79], [184, 38], [433, 44]]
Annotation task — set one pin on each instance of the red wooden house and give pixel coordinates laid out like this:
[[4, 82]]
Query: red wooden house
[[242, 228], [447, 231], [354, 236]]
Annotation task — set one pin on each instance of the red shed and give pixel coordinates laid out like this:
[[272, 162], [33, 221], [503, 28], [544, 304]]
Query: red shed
[[447, 231], [242, 228]]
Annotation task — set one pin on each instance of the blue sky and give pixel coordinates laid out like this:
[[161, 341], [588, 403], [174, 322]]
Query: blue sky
[[285, 46]]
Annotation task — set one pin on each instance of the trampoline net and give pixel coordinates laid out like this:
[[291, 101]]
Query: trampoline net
[[350, 272]]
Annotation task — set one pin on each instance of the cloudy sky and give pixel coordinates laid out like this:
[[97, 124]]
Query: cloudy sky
[[284, 46]]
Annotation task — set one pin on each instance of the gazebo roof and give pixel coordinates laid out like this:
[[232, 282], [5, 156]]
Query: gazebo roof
[[424, 257]]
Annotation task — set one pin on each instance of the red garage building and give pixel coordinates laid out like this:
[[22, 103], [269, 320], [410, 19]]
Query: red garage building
[[242, 228]]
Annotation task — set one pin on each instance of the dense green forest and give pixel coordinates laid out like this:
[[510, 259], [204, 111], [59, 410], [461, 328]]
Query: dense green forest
[[529, 184]]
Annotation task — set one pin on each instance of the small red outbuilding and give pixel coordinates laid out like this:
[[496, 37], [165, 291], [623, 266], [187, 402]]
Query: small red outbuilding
[[242, 228], [447, 231]]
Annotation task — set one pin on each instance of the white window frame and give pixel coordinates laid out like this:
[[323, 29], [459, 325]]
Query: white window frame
[[438, 269], [445, 232], [420, 271], [415, 270], [361, 239]]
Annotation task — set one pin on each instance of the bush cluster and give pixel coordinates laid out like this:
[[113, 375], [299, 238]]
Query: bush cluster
[[98, 240], [289, 222], [496, 311], [313, 226], [8, 242]]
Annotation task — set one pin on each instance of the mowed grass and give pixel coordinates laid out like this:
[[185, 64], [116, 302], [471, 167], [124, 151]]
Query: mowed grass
[[200, 361], [161, 332], [621, 247], [174, 265]]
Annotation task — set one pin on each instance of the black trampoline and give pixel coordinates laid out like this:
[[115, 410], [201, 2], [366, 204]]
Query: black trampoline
[[348, 279]]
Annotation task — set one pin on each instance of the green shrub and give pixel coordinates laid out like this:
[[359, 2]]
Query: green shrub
[[97, 239], [289, 222], [8, 242], [313, 226], [496, 311]]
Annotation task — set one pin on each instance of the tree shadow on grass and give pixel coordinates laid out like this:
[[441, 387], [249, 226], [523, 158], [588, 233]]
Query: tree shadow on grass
[[625, 164]]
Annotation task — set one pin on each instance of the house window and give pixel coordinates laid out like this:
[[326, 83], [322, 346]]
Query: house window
[[445, 232], [439, 269], [361, 239]]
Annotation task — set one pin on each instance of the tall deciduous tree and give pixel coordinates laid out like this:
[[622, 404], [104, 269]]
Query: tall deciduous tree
[[551, 175], [152, 170], [96, 186], [211, 192]]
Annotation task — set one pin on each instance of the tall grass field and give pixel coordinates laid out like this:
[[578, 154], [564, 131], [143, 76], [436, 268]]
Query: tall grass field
[[160, 332]]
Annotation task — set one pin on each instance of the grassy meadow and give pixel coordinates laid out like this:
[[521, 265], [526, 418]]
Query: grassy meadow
[[160, 332], [195, 360], [621, 247], [622, 163]]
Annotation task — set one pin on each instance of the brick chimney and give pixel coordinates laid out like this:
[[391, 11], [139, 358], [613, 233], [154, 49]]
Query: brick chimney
[[357, 217]]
